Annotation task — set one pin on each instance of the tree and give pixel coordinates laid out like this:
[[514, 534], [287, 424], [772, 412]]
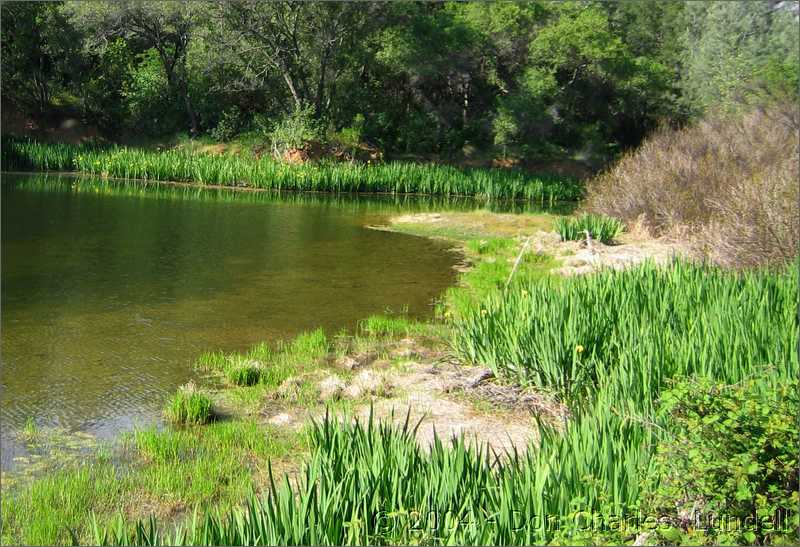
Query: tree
[[596, 88], [306, 43], [165, 26], [39, 51], [731, 48]]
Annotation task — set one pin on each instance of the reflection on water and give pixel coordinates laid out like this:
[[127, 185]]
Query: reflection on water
[[110, 290]]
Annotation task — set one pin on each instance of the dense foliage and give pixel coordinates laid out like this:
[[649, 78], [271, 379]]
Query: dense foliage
[[636, 329], [732, 450], [729, 183], [580, 79]]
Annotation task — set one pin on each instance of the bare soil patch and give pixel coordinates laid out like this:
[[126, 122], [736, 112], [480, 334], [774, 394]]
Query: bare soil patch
[[474, 224]]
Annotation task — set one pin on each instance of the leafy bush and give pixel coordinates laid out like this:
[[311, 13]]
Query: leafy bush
[[349, 138], [732, 454], [189, 406], [148, 98], [602, 228], [229, 124], [295, 130], [730, 182]]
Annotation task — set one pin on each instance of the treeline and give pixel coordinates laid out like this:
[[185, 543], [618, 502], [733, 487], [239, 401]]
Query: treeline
[[536, 79]]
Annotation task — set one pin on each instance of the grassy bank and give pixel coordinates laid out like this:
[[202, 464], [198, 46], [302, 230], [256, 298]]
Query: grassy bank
[[164, 473], [659, 424], [681, 384], [244, 170]]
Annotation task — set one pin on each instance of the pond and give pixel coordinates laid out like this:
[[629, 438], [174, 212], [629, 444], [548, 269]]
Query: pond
[[110, 290]]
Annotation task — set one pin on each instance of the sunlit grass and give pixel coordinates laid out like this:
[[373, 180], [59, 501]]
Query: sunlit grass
[[189, 406], [387, 325], [166, 473], [369, 483], [635, 329], [392, 178], [601, 228]]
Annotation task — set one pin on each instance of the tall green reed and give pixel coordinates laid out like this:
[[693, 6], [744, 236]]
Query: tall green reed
[[371, 483], [601, 228], [635, 329], [391, 178]]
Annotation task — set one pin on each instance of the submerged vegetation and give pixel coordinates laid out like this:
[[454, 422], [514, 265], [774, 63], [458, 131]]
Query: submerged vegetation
[[391, 178]]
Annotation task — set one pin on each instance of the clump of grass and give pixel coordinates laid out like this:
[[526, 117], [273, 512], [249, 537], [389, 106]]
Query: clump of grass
[[189, 406], [601, 228], [262, 364], [240, 370], [386, 325], [243, 372], [260, 352], [31, 432], [307, 346], [490, 246], [211, 361]]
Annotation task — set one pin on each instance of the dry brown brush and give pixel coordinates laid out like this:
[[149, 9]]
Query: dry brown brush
[[729, 183]]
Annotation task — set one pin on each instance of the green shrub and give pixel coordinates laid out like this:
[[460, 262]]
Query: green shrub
[[243, 372], [604, 229], [295, 130], [732, 453], [189, 406], [229, 124], [349, 138]]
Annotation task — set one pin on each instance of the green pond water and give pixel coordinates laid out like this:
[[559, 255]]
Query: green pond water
[[111, 289]]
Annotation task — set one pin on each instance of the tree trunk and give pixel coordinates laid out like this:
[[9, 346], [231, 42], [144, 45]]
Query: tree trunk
[[465, 109], [290, 84], [321, 85], [192, 114]]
